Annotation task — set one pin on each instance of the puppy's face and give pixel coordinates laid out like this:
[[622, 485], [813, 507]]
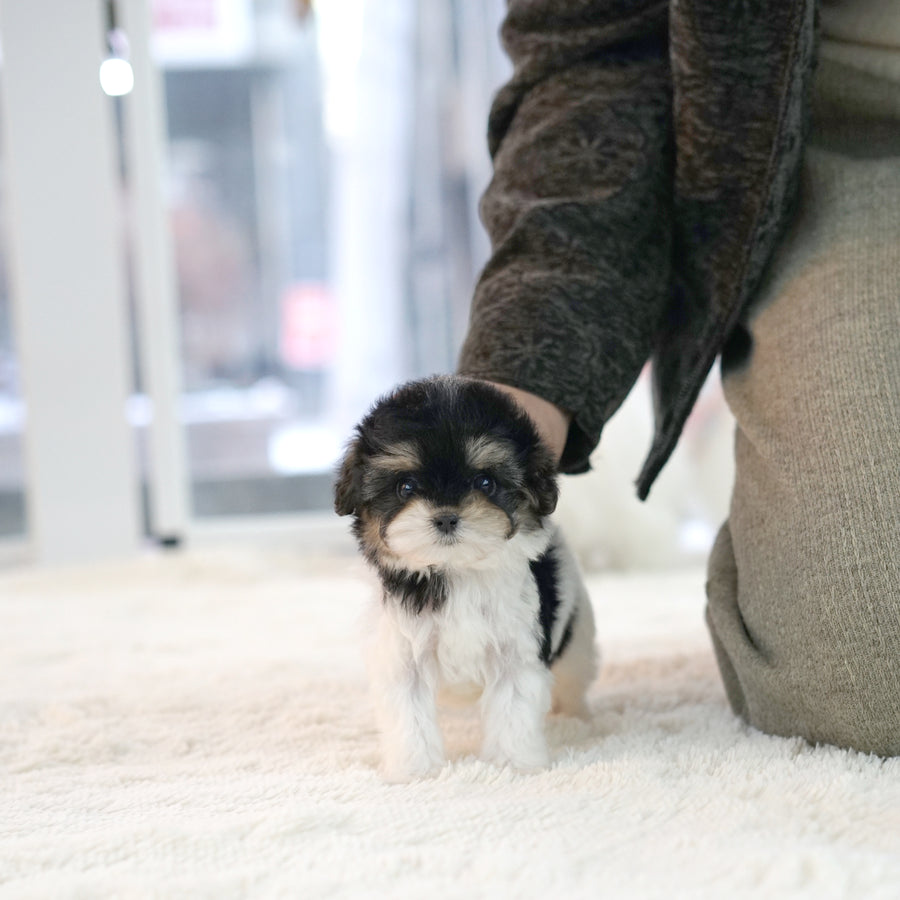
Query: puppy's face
[[442, 473]]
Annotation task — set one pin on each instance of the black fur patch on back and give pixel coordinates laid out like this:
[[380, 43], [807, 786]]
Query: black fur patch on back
[[564, 639], [544, 569], [415, 591]]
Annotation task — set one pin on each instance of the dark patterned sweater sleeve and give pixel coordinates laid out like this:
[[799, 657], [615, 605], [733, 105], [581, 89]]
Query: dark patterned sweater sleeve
[[579, 209]]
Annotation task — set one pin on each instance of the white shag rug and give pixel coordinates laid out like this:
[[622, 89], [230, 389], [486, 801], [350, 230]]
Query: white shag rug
[[197, 725]]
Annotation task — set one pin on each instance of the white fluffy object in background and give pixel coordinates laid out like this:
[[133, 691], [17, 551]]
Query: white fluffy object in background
[[605, 523]]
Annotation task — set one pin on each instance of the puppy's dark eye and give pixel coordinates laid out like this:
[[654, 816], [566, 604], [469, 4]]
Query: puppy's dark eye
[[406, 487], [484, 483]]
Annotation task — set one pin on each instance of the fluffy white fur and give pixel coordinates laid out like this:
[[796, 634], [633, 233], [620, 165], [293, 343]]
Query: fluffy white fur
[[196, 725], [483, 642]]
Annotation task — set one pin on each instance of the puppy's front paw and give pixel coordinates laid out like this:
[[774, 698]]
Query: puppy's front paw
[[522, 759], [398, 771], [402, 765]]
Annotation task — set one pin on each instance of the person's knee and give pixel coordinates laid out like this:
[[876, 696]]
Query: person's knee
[[822, 663], [837, 701]]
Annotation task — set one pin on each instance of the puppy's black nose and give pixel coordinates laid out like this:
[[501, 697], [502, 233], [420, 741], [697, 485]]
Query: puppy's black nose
[[446, 522]]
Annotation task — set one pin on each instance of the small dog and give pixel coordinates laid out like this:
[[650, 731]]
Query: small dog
[[451, 489]]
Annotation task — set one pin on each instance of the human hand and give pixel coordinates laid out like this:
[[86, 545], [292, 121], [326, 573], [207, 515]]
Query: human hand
[[551, 422]]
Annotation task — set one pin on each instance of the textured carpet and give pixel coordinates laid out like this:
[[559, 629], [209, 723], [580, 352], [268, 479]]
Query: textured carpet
[[198, 726]]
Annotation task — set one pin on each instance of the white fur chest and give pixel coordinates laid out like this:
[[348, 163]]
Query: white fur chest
[[488, 618], [488, 622]]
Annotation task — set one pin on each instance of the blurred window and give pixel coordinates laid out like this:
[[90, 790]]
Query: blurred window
[[12, 513], [325, 161], [322, 192]]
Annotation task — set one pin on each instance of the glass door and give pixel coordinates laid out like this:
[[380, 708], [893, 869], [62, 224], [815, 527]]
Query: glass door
[[12, 413], [325, 161]]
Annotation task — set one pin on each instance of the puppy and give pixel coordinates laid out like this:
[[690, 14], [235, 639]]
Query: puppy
[[450, 489]]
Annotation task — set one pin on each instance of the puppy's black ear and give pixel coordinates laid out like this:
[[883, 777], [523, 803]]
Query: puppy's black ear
[[348, 484], [540, 482]]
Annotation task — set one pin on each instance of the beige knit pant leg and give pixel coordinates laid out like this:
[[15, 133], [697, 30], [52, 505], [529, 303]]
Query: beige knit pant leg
[[804, 579]]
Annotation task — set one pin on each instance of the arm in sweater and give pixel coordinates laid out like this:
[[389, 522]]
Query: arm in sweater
[[579, 209]]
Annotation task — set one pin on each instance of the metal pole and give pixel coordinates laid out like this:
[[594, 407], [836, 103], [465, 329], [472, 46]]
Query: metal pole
[[67, 281], [155, 283]]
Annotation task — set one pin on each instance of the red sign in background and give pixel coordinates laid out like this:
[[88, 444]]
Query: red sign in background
[[309, 327], [173, 15]]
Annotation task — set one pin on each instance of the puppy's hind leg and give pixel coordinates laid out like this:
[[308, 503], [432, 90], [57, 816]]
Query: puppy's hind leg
[[576, 668]]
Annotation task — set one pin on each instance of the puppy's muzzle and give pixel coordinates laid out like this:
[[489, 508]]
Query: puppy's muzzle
[[446, 522]]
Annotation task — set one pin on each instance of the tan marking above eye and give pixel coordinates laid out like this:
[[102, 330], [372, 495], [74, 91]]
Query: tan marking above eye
[[400, 458], [485, 452]]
